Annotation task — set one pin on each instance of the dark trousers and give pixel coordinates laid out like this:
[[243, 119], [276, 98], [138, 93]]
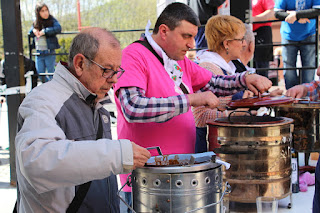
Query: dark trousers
[[201, 140]]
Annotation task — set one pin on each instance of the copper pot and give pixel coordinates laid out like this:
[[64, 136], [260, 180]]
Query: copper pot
[[306, 134], [258, 149]]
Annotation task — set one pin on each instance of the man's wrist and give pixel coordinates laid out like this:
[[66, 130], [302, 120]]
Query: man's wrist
[[249, 72]]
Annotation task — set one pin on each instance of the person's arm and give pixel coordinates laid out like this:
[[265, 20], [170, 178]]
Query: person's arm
[[296, 15], [313, 90], [55, 29], [137, 108], [48, 160], [265, 16], [201, 114]]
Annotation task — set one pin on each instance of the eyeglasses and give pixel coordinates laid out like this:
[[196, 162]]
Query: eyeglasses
[[237, 39], [107, 73]]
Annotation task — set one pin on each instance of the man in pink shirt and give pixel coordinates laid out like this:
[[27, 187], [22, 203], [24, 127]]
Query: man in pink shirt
[[155, 94]]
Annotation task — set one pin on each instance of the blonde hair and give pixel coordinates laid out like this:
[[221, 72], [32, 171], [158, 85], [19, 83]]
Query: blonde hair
[[220, 28]]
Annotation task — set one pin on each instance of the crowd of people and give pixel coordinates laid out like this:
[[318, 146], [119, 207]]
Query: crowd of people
[[66, 159]]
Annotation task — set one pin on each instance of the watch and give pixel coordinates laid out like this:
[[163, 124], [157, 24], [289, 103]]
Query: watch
[[250, 72]]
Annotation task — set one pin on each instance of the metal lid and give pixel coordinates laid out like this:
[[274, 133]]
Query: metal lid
[[179, 163], [268, 122], [256, 102], [249, 120]]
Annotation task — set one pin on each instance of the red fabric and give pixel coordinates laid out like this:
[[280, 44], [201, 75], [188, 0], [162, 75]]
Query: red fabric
[[258, 7]]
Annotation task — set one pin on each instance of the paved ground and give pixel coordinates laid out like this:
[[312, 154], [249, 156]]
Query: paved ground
[[8, 193]]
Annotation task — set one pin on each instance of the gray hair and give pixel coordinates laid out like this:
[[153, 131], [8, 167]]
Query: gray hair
[[88, 44], [249, 36]]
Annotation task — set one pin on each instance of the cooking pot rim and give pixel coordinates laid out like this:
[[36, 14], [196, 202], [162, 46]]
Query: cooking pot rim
[[179, 169]]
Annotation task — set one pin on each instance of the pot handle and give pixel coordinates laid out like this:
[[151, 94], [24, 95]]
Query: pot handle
[[156, 147], [226, 191], [128, 182]]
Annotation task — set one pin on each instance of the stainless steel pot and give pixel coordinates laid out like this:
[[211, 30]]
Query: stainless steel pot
[[181, 187]]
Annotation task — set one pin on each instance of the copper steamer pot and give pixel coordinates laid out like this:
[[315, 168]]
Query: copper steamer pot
[[258, 148]]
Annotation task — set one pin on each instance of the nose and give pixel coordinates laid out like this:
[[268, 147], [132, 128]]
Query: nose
[[191, 44], [113, 80]]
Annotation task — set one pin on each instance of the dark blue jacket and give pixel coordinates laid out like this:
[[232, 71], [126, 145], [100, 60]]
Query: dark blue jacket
[[50, 32]]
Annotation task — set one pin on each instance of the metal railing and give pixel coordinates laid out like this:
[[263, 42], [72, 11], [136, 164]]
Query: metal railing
[[293, 69], [273, 44]]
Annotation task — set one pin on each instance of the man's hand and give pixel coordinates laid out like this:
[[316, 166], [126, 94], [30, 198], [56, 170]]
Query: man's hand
[[291, 18], [257, 83], [303, 20], [276, 92], [140, 155], [298, 91], [247, 94], [207, 99]]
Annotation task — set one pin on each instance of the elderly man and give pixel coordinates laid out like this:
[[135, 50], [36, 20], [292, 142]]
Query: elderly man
[[160, 86], [241, 64], [65, 158]]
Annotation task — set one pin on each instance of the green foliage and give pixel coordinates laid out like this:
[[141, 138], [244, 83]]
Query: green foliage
[[65, 44], [115, 15]]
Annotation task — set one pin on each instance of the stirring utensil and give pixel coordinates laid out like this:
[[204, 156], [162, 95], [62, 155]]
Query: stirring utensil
[[157, 148]]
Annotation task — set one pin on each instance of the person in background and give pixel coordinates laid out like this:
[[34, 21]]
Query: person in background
[[66, 160], [298, 27], [29, 65], [161, 84], [241, 64], [262, 10], [311, 90], [44, 31], [204, 10], [226, 41]]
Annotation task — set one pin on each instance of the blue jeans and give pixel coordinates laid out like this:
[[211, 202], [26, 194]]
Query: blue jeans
[[308, 59], [128, 199], [44, 62]]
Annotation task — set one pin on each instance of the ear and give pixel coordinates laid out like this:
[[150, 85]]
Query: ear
[[78, 63], [251, 47], [163, 30], [225, 44]]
